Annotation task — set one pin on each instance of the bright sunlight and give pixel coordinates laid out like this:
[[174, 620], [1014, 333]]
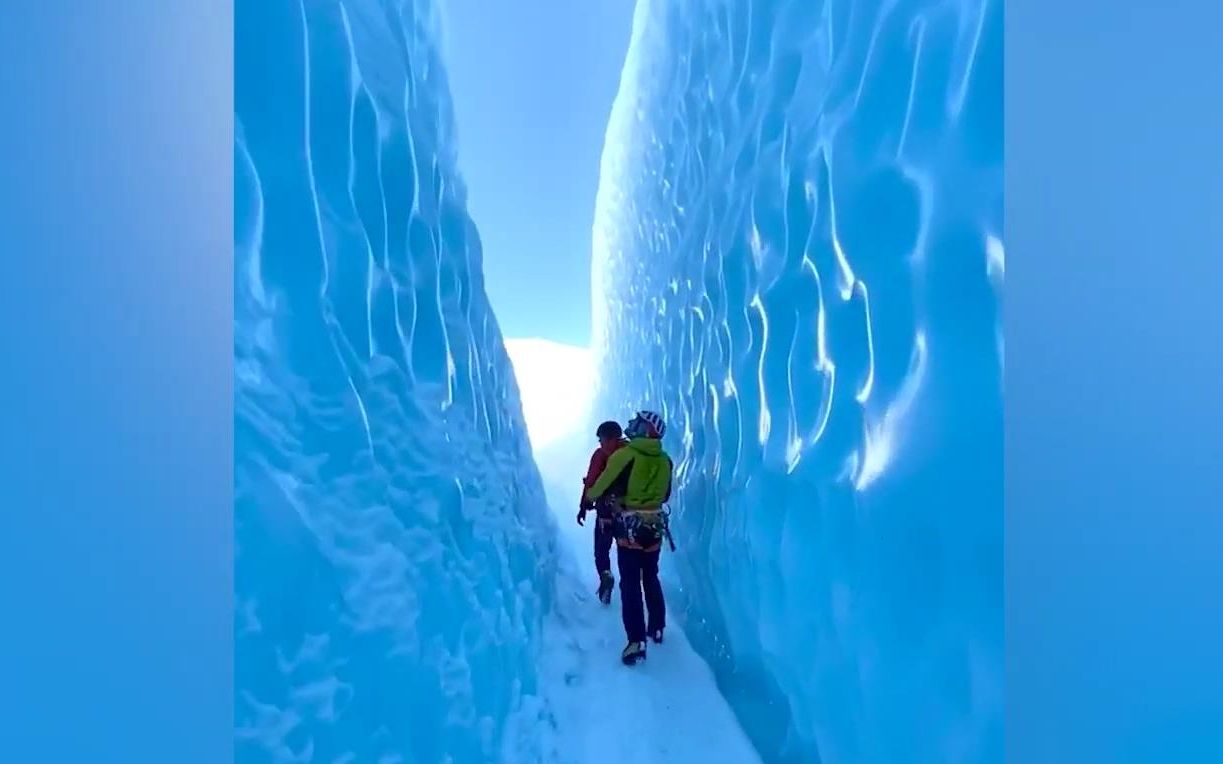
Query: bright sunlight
[[556, 384]]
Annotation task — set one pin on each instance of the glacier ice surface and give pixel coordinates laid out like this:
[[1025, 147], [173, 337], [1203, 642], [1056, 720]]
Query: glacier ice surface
[[666, 710], [798, 259], [394, 554]]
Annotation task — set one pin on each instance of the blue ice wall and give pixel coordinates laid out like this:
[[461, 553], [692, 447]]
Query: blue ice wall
[[394, 551], [798, 251]]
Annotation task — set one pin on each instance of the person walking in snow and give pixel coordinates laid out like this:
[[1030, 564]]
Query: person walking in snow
[[611, 439], [640, 474]]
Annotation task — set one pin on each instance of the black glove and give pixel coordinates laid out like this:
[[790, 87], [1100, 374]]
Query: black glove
[[582, 516]]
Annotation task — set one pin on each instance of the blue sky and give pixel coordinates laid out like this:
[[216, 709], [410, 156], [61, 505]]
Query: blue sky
[[533, 83]]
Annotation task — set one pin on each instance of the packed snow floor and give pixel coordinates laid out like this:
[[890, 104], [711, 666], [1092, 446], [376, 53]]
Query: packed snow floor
[[664, 709]]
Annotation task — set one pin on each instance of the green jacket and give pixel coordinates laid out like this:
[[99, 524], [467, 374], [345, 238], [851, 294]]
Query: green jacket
[[639, 473]]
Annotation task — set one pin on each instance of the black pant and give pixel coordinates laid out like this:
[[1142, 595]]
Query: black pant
[[603, 542], [638, 572]]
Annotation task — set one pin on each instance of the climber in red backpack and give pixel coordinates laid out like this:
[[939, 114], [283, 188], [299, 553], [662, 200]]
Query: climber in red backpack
[[639, 477], [611, 439]]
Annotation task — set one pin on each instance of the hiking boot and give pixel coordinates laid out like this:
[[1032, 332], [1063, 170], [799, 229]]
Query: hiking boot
[[633, 652], [656, 635], [606, 584]]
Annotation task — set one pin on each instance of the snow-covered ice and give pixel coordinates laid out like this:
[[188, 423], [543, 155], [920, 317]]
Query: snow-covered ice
[[665, 709]]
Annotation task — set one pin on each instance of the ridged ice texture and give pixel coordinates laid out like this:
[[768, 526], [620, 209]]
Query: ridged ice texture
[[394, 550], [799, 260]]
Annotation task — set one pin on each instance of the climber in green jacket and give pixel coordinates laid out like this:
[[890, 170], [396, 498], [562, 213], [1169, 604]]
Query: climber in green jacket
[[638, 478]]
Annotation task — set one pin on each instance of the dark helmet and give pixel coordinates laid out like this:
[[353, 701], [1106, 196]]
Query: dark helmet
[[609, 430]]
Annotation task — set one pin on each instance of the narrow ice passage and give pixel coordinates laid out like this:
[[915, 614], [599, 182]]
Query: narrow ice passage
[[666, 708], [795, 260]]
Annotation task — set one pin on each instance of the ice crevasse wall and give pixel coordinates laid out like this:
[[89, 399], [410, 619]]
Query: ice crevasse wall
[[798, 259], [394, 554]]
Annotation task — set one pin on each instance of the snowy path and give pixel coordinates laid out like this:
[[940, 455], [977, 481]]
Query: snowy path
[[665, 709]]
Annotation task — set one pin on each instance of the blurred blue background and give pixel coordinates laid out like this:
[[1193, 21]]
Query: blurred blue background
[[116, 456], [1114, 459]]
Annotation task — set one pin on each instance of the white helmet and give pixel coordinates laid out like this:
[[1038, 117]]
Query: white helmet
[[647, 424]]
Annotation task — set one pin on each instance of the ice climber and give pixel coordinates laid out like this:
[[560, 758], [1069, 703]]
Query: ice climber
[[639, 477], [611, 439]]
